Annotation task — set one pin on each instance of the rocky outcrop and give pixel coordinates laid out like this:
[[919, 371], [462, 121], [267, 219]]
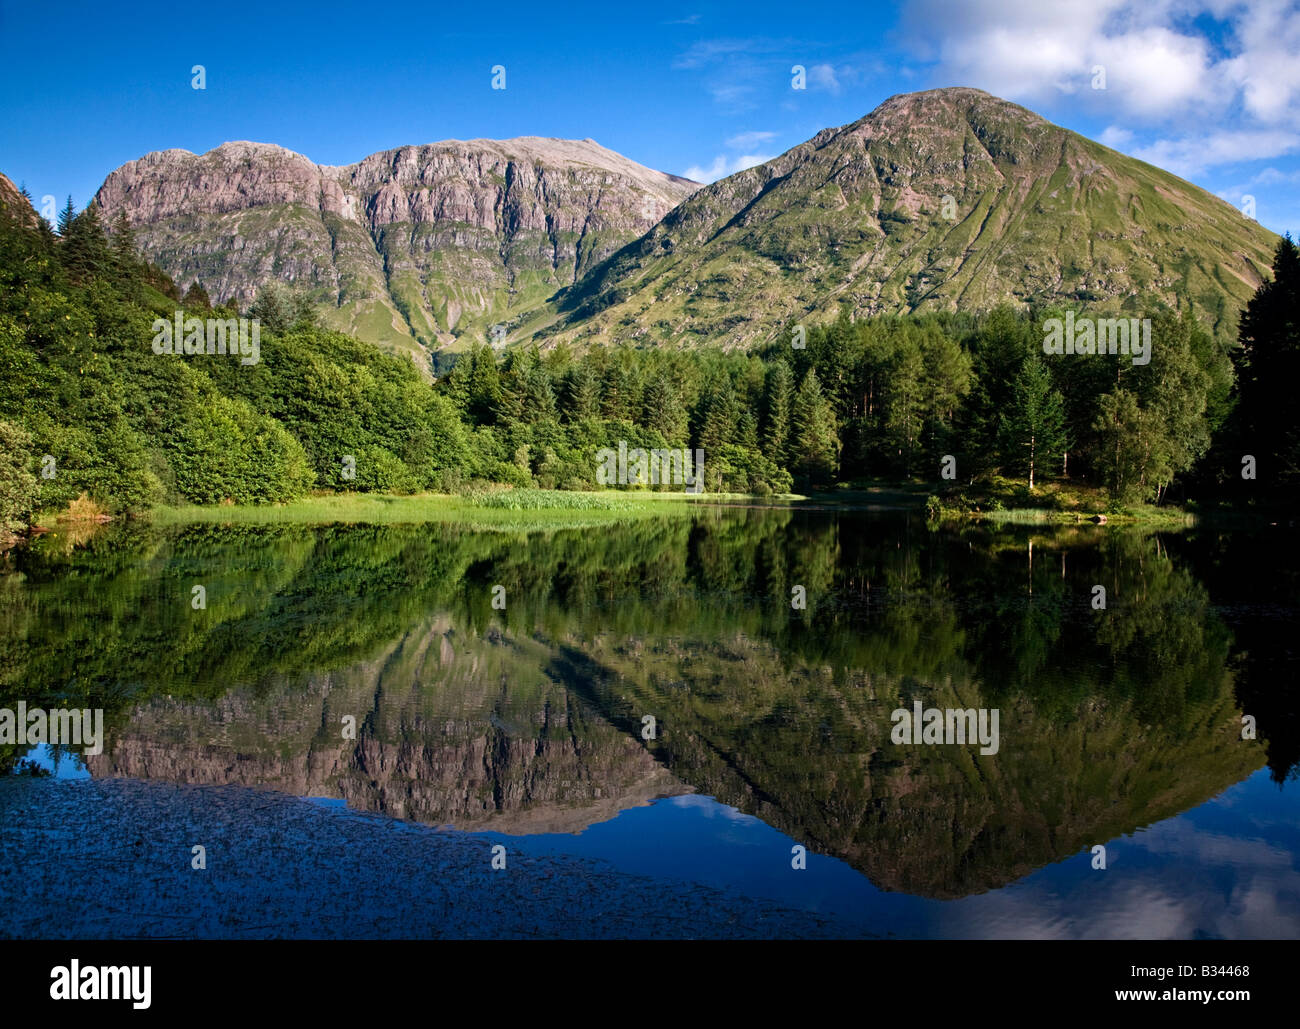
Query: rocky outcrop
[[416, 248], [15, 205]]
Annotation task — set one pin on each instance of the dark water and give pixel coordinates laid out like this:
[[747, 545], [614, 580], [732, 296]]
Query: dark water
[[1119, 728]]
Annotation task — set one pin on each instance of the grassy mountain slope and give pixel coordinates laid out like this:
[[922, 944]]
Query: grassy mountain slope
[[857, 216]]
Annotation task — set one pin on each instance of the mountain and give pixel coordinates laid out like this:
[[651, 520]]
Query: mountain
[[857, 216], [414, 248], [14, 203], [937, 200]]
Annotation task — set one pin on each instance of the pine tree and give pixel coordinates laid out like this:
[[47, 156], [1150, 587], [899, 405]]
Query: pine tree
[[66, 218], [85, 250], [746, 434], [124, 255], [717, 415], [662, 411], [538, 396], [581, 393], [484, 392], [814, 437], [776, 425], [618, 399], [1033, 432], [197, 297], [526, 394], [47, 237]]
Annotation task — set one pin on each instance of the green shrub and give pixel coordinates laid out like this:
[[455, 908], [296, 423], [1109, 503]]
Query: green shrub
[[17, 483]]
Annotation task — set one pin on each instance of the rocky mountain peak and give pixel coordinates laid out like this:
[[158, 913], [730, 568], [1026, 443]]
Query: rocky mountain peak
[[415, 248]]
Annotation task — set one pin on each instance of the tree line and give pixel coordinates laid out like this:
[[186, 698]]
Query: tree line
[[86, 407], [888, 398]]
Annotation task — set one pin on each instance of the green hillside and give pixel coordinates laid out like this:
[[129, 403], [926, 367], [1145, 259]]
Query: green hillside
[[939, 201]]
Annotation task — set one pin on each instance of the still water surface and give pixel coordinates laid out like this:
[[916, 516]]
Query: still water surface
[[1118, 727]]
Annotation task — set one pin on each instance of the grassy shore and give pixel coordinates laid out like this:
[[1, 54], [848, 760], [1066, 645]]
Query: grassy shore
[[1009, 501], [993, 501], [505, 509]]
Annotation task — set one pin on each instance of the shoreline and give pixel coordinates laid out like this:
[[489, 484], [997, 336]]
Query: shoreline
[[528, 509]]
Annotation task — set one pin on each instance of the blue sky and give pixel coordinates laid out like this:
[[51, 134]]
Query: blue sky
[[1209, 89]]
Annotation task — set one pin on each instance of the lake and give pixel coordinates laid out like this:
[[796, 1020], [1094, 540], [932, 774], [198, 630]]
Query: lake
[[688, 726]]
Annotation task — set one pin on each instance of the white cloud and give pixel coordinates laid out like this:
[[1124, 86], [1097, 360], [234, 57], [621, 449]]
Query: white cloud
[[822, 76], [1035, 52], [1193, 154], [748, 140], [709, 51], [1275, 177], [723, 166], [1115, 137], [729, 94], [733, 70], [1232, 886], [1157, 64], [1155, 71], [1266, 71], [1217, 81]]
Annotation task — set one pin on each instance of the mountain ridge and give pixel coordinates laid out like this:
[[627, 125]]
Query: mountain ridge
[[411, 247], [937, 200]]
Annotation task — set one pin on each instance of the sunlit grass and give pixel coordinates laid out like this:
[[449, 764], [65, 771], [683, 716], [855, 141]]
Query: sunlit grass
[[504, 509], [1002, 500]]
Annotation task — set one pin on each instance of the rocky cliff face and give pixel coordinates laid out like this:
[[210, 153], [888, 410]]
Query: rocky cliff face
[[14, 204], [948, 199], [416, 248]]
